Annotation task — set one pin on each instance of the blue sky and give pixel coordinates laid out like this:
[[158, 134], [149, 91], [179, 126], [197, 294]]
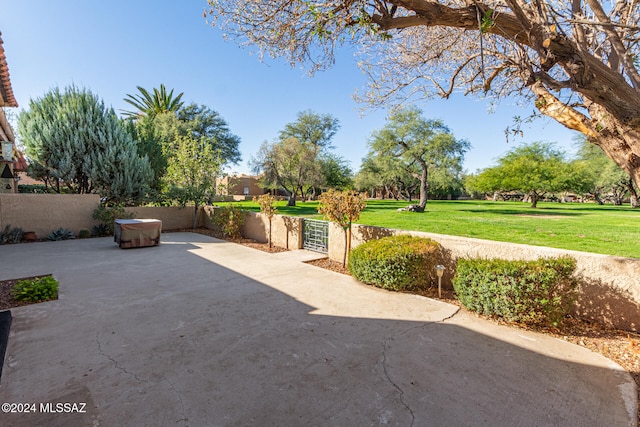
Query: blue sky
[[112, 47]]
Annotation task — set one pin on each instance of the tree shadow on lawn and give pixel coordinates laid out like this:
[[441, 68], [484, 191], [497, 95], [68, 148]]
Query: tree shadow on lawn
[[234, 340]]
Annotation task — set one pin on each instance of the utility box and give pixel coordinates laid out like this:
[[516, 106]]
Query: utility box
[[137, 233]]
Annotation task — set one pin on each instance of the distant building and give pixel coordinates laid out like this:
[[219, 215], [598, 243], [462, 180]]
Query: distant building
[[8, 178], [239, 186]]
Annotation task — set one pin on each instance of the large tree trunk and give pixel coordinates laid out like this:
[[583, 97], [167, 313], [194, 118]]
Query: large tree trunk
[[619, 139], [534, 199]]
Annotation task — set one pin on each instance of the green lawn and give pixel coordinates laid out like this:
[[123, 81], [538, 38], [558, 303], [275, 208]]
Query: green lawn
[[613, 230]]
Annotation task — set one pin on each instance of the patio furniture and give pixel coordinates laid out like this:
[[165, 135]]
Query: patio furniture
[[137, 233]]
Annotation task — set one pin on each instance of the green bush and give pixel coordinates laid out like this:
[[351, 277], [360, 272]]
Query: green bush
[[35, 290], [229, 220], [397, 262], [108, 214], [84, 233], [533, 292]]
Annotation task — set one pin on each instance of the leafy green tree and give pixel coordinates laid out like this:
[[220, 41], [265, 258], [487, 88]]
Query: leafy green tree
[[418, 145], [201, 121], [287, 164], [533, 169], [387, 176], [156, 137], [606, 176], [299, 161], [335, 171], [72, 138], [313, 129], [149, 142], [193, 166], [150, 104]]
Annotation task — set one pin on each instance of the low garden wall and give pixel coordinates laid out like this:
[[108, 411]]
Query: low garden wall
[[43, 213], [609, 285]]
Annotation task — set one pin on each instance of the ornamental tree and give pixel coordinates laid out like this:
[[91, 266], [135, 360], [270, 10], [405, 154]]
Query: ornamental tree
[[343, 208], [268, 208]]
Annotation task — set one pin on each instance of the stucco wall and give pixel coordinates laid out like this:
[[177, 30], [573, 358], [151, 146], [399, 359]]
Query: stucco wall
[[44, 213], [286, 231], [172, 217]]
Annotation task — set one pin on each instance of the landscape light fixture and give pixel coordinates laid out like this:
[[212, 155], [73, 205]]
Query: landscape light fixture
[[440, 272]]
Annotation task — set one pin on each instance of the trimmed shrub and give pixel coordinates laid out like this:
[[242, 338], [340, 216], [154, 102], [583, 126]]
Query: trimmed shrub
[[229, 220], [36, 290], [532, 292], [398, 263], [84, 233]]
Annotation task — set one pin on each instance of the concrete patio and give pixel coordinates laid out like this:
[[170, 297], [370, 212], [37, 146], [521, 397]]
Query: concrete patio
[[202, 332]]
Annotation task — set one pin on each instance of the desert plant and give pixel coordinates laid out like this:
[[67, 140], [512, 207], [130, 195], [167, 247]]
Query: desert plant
[[60, 234], [229, 220], [35, 290], [534, 292], [100, 230], [268, 208], [11, 235], [84, 233], [397, 262], [108, 214]]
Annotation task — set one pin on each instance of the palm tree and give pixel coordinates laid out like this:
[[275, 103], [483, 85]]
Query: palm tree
[[149, 104]]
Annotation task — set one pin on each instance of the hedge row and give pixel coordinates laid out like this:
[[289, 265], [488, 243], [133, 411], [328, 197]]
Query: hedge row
[[540, 291]]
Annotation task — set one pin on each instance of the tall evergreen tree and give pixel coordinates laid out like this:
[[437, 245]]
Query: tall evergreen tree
[[74, 139]]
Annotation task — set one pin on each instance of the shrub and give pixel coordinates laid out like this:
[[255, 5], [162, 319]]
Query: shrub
[[397, 262], [84, 233], [540, 291], [229, 220], [61, 234], [11, 235], [35, 290], [108, 214]]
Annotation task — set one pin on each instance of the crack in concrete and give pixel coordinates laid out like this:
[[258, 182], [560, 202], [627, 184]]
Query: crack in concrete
[[184, 418], [396, 386], [384, 358], [115, 362]]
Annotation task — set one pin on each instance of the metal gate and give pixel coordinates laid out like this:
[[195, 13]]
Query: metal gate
[[315, 235]]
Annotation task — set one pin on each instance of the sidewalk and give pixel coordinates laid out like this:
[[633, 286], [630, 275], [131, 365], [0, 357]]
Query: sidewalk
[[202, 332]]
